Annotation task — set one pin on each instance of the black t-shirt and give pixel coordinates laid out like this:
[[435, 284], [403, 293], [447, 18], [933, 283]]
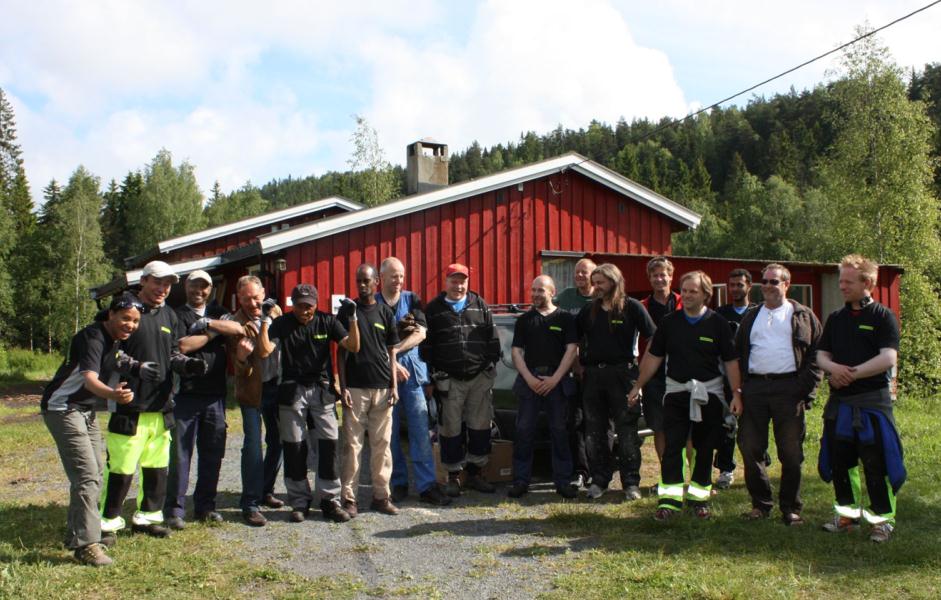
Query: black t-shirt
[[854, 336], [728, 312], [543, 338], [91, 349], [693, 350], [657, 311], [370, 368], [156, 339], [609, 338], [305, 349], [214, 353]]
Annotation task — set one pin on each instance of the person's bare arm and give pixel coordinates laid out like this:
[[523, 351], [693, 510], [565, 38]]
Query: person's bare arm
[[119, 393], [648, 368], [734, 375]]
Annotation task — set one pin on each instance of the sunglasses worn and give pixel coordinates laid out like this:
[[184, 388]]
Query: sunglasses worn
[[771, 281]]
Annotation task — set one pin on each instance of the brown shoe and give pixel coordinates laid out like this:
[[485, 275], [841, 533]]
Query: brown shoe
[[93, 555], [384, 505], [792, 519], [272, 501], [351, 508], [755, 514], [254, 519]]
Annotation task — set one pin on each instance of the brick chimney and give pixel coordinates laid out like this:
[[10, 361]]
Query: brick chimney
[[426, 167]]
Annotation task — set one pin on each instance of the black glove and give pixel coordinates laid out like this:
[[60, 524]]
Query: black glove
[[145, 371], [347, 308], [195, 366], [200, 326], [267, 305]]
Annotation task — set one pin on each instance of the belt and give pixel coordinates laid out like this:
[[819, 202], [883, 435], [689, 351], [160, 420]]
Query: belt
[[603, 365], [772, 376]]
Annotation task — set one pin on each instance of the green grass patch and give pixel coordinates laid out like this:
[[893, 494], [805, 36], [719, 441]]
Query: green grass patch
[[19, 365]]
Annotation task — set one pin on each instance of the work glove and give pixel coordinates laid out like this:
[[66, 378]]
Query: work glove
[[195, 367], [145, 371], [267, 306], [200, 326], [347, 309], [407, 325]]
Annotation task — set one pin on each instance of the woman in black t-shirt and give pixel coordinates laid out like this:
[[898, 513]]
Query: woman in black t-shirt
[[68, 409]]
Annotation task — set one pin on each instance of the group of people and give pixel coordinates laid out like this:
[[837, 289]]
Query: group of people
[[703, 376]]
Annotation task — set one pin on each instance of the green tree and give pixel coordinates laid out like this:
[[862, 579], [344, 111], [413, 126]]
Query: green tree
[[240, 204], [377, 181], [169, 205]]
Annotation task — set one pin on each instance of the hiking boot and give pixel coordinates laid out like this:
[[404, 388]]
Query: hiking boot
[[93, 555], [383, 505], [518, 490], [841, 524], [152, 529], [108, 539], [332, 511], [209, 517], [399, 493], [453, 487], [569, 491], [272, 501], [254, 519], [632, 493], [881, 532], [298, 516], [725, 479], [478, 483], [595, 491], [792, 519], [434, 495], [351, 508], [663, 514], [176, 523]]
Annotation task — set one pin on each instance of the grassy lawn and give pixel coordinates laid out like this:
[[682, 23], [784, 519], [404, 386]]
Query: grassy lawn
[[615, 550]]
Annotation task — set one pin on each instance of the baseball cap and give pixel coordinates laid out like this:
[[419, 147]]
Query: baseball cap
[[199, 274], [304, 292], [457, 269], [159, 269]]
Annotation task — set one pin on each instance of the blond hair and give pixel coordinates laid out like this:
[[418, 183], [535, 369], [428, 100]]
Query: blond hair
[[659, 261], [705, 283], [868, 268], [618, 295], [785, 274]]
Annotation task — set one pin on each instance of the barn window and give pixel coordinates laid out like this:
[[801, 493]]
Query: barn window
[[562, 271]]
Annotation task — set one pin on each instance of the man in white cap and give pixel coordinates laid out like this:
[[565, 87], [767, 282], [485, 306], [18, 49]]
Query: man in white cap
[[199, 412], [139, 431]]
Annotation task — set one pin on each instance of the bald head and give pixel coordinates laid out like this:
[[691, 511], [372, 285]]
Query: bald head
[[392, 276], [543, 289]]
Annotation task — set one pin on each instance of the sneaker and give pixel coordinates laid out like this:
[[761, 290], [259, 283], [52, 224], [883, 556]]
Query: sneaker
[[595, 491], [725, 479], [518, 490], [841, 524], [453, 487], [881, 532], [108, 539], [152, 529], [580, 481], [176, 523], [297, 516], [478, 483], [254, 519], [93, 555], [332, 511], [351, 508], [272, 501], [567, 491], [399, 493], [632, 493], [434, 495], [384, 506], [209, 517], [702, 512], [663, 514]]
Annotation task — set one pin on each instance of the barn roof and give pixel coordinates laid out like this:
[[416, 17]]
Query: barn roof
[[272, 242]]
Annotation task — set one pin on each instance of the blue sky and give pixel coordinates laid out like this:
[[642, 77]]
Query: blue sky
[[247, 91]]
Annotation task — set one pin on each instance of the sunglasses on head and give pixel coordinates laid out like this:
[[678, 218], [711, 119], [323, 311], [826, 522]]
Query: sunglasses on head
[[771, 281], [127, 301]]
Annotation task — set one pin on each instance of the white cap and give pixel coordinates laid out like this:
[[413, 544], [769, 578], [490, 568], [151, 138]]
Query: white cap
[[199, 274], [159, 269]]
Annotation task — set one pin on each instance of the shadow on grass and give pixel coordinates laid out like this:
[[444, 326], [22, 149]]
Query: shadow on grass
[[33, 533]]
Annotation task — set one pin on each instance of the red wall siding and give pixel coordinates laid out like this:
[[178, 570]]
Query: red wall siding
[[499, 235]]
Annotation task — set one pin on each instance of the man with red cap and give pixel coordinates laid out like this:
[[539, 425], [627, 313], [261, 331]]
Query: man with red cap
[[462, 348]]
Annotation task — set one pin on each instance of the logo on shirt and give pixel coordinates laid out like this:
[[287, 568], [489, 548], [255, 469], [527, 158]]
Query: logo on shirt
[[165, 329], [320, 336], [703, 338], [559, 329], [617, 321], [380, 326], [867, 327]]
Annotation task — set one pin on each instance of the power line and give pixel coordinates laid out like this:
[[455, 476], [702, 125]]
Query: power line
[[789, 71]]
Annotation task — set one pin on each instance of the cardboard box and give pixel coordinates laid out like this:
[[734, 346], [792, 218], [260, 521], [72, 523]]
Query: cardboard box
[[499, 468]]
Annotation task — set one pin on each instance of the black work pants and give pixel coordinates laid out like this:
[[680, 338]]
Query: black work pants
[[605, 398], [705, 436], [847, 454], [775, 402], [575, 425]]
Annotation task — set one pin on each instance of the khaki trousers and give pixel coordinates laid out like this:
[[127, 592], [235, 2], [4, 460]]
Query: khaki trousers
[[372, 412]]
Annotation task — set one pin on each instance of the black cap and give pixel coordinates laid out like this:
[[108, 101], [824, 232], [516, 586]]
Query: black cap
[[304, 292]]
